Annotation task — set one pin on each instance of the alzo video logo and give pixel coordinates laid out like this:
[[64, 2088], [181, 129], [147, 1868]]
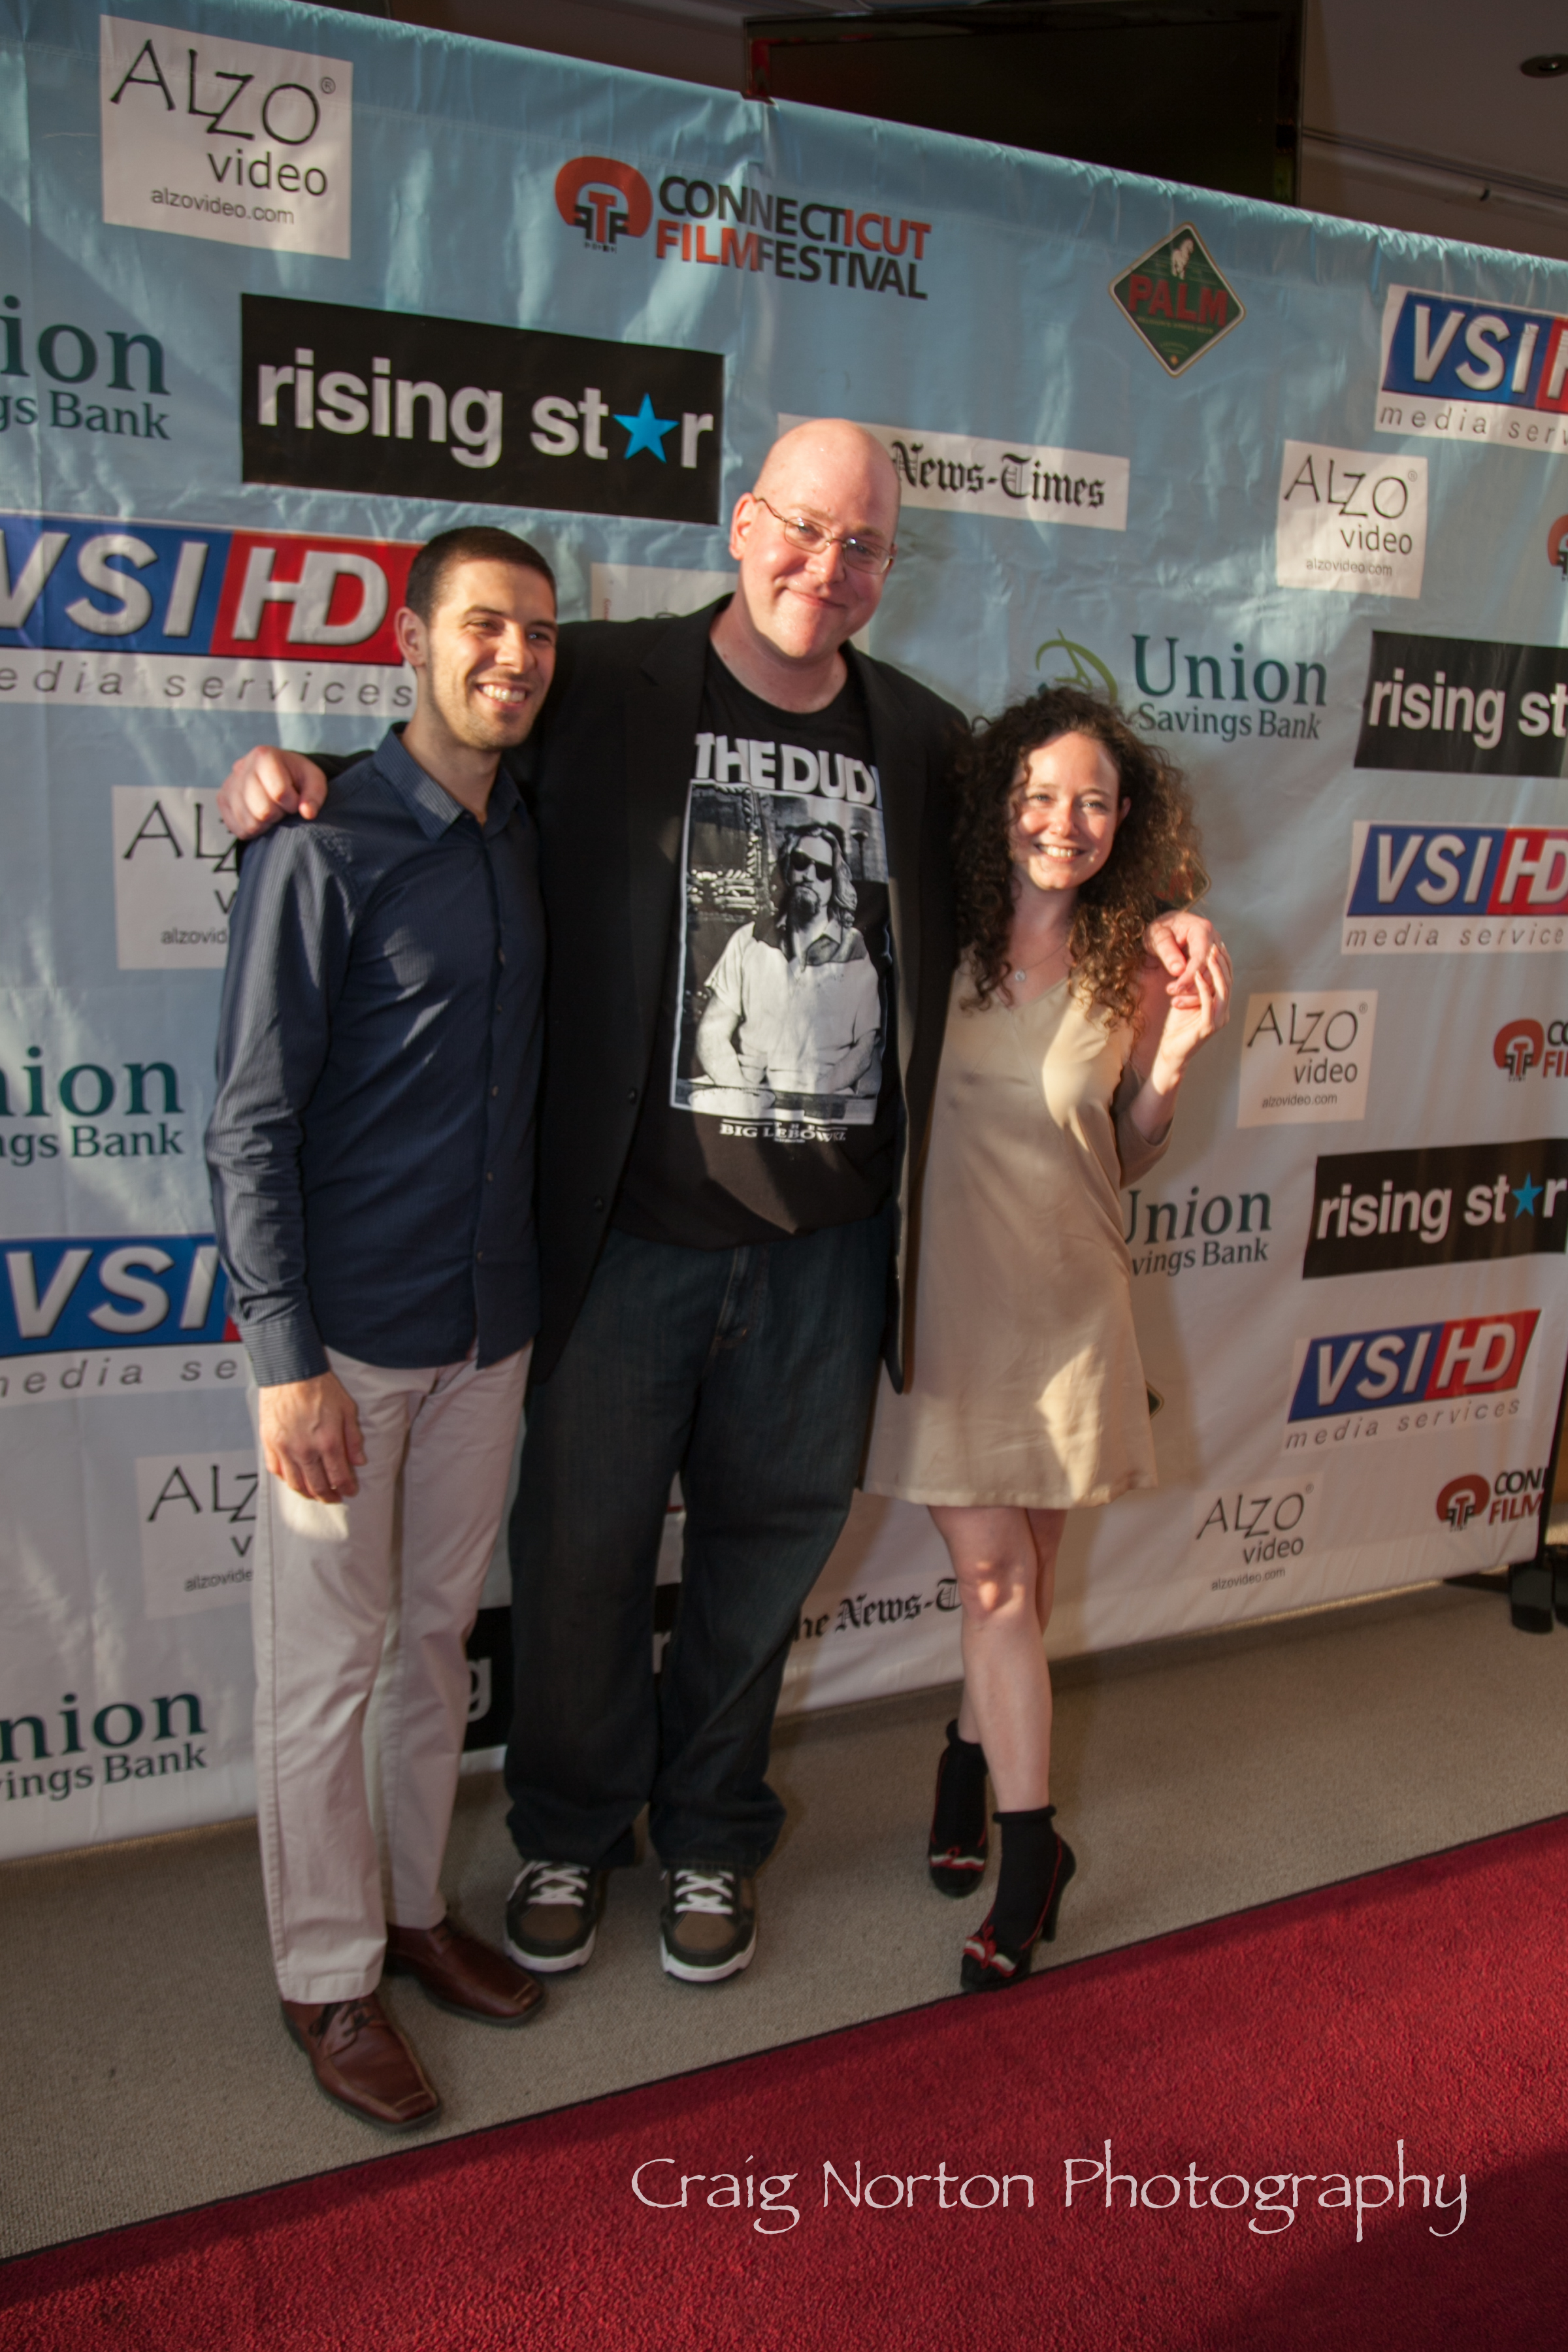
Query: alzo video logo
[[1512, 1495], [1406, 1379], [1372, 1211], [82, 1319], [1455, 369], [1243, 1538], [1305, 1056], [1350, 519], [1465, 706], [1457, 889], [176, 617], [387, 404], [207, 136]]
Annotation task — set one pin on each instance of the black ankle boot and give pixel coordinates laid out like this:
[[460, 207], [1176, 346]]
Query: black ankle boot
[[955, 1850], [1035, 1867]]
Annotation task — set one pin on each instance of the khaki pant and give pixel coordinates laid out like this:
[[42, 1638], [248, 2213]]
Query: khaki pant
[[376, 1594]]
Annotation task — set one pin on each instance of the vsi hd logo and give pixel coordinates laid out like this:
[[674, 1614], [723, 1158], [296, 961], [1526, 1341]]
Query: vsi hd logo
[[1408, 1380], [1457, 889], [1459, 370], [83, 1319], [385, 403], [177, 616], [1372, 1211]]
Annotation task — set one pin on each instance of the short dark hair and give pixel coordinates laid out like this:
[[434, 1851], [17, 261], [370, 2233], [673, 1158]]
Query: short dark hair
[[474, 542]]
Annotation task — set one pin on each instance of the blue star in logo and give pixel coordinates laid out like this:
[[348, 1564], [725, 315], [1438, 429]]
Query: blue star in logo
[[647, 431], [1526, 1194]]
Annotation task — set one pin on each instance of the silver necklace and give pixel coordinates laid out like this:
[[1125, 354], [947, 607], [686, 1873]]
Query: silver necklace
[[1038, 965]]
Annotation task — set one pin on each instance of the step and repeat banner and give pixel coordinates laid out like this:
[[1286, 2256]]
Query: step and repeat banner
[[283, 292]]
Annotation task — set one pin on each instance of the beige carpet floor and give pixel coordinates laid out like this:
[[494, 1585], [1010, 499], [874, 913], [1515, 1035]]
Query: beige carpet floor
[[143, 2068]]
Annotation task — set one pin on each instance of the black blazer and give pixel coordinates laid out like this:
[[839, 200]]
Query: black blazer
[[612, 765], [606, 771]]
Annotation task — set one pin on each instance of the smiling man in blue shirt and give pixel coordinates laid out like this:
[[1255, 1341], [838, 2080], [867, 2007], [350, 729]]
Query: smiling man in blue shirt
[[372, 1150]]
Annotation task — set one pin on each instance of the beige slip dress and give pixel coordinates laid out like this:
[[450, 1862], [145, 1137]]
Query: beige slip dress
[[1025, 1384]]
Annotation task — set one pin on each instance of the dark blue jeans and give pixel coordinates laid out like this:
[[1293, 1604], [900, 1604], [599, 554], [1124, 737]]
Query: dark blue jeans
[[750, 1371]]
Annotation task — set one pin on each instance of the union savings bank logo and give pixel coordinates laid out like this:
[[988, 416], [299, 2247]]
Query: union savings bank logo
[[1512, 1494], [810, 239]]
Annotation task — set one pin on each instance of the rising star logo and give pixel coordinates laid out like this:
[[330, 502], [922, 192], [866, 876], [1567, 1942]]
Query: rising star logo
[[1178, 300], [646, 431]]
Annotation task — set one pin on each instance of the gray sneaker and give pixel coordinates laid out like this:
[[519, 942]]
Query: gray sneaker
[[553, 1915], [709, 1925]]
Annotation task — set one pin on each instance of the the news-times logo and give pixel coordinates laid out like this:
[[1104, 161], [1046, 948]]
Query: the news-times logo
[[389, 405]]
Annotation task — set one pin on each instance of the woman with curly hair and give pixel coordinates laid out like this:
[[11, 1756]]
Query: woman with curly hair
[[1025, 1398]]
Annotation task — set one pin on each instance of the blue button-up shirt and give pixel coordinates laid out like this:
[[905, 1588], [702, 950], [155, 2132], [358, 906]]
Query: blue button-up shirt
[[372, 1146]]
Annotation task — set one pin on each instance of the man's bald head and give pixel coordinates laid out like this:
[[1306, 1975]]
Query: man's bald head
[[799, 603], [832, 465]]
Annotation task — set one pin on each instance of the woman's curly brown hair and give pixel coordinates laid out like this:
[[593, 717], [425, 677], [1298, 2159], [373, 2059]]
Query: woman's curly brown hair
[[1153, 862]]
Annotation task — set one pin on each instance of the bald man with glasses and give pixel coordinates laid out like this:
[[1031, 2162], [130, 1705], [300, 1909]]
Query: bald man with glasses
[[724, 1266]]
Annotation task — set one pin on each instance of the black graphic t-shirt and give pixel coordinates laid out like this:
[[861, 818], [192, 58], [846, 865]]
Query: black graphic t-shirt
[[772, 1100]]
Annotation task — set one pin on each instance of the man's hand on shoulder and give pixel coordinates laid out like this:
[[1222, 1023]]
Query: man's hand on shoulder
[[266, 783], [310, 1437], [1184, 942]]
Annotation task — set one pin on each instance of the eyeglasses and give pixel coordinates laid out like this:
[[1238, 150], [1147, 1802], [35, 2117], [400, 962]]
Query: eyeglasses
[[800, 863], [811, 538]]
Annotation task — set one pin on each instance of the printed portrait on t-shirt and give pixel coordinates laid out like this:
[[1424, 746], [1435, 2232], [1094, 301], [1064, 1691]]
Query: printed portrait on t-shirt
[[784, 950]]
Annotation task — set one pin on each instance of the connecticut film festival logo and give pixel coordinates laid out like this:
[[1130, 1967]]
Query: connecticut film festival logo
[[603, 198], [803, 237], [1462, 1499], [1177, 299], [1512, 1494], [1525, 1045]]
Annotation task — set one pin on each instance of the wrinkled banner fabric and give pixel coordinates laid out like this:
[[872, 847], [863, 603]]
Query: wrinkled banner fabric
[[284, 292]]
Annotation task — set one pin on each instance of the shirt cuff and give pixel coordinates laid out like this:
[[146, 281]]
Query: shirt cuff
[[284, 1348]]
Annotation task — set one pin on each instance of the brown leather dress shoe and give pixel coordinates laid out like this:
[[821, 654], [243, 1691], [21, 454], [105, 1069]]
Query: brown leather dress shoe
[[363, 2063], [458, 1972]]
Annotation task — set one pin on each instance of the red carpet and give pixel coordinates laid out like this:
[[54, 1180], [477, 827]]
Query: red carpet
[[1426, 2003]]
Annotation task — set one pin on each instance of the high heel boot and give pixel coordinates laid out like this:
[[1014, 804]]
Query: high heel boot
[[1035, 1867], [956, 1848]]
